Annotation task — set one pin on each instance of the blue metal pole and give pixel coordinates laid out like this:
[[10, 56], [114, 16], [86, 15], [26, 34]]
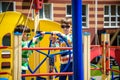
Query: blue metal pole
[[77, 39]]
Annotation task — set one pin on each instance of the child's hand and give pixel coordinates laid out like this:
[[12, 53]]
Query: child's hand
[[43, 33], [53, 38], [56, 32]]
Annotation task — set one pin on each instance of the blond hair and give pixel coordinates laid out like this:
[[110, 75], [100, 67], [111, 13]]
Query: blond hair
[[66, 21]]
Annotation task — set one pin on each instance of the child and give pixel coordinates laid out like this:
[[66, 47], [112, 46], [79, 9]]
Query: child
[[64, 59], [25, 44]]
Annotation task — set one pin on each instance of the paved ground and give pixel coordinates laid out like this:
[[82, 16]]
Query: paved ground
[[97, 78]]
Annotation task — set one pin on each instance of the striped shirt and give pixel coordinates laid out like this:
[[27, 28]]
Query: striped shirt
[[66, 56]]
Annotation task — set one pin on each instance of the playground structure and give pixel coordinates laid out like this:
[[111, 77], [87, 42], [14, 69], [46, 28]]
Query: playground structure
[[8, 30], [7, 61], [9, 56], [7, 53]]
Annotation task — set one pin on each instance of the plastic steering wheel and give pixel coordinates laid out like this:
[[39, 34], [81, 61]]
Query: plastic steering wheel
[[50, 55]]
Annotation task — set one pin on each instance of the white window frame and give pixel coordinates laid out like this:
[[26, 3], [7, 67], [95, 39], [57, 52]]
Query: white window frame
[[51, 14], [109, 16], [67, 15], [87, 19], [14, 7]]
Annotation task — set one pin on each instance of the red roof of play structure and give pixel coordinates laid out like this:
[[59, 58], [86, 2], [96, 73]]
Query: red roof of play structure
[[114, 53]]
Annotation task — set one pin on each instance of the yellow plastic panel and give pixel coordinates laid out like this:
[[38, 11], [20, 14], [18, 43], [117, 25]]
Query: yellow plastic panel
[[8, 22]]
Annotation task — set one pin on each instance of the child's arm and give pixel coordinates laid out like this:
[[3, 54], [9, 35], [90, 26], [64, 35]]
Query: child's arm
[[38, 38]]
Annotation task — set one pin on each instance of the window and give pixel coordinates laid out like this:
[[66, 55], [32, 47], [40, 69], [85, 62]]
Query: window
[[46, 12], [84, 14], [7, 6], [68, 11], [6, 41], [112, 16]]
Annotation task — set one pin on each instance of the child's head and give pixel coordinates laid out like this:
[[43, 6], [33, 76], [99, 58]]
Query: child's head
[[26, 33], [24, 30], [25, 36], [66, 26]]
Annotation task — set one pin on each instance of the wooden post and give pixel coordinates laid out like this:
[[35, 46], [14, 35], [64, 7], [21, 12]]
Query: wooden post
[[105, 38], [36, 20], [108, 57], [36, 23], [17, 56], [86, 39]]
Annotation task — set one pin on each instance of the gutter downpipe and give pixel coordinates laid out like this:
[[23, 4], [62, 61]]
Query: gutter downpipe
[[96, 19]]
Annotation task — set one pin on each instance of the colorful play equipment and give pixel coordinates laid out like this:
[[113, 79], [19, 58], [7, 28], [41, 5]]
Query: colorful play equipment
[[8, 69], [106, 51], [7, 30], [20, 19], [10, 50], [79, 72]]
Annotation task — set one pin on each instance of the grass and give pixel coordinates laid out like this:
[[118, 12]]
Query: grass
[[96, 72], [99, 73]]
